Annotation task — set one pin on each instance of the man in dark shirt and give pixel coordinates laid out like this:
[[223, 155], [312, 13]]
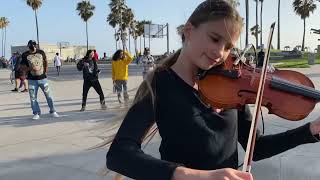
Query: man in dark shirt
[[34, 61]]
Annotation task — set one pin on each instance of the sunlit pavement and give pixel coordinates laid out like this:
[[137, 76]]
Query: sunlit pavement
[[57, 148]]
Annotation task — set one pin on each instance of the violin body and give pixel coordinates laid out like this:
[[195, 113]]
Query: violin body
[[287, 94]]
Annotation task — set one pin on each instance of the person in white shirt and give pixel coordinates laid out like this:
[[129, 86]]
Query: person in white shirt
[[147, 62], [57, 63]]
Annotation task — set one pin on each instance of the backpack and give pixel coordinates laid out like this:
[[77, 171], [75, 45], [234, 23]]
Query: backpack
[[80, 65]]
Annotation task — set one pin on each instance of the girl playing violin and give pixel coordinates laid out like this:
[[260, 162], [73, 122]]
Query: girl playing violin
[[199, 142]]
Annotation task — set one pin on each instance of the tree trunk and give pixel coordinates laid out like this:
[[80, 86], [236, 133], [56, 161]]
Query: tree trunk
[[2, 34], [129, 42], [122, 40], [4, 41], [304, 33], [144, 42], [278, 46], [257, 25], [261, 24], [247, 22], [115, 38], [35, 14], [135, 46], [87, 35], [140, 44]]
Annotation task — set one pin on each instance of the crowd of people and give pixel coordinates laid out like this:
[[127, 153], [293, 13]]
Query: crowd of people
[[30, 71]]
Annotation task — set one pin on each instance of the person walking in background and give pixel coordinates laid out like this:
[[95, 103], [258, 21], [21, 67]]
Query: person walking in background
[[96, 56], [20, 76], [34, 62], [57, 62], [260, 58], [147, 62], [120, 61], [90, 71]]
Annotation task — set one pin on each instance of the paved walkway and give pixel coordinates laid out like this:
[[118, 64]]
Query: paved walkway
[[57, 149]]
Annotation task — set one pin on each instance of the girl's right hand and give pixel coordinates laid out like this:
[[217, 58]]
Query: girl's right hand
[[182, 173]]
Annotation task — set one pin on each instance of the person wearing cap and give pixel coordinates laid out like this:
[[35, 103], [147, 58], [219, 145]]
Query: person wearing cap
[[34, 62]]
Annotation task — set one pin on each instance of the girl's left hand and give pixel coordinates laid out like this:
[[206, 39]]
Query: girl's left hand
[[315, 126]]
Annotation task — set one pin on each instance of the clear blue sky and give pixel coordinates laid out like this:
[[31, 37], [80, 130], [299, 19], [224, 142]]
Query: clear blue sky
[[58, 21]]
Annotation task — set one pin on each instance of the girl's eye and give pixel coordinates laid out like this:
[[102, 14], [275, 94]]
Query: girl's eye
[[213, 39]]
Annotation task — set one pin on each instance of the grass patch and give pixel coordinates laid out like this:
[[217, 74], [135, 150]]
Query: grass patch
[[294, 63]]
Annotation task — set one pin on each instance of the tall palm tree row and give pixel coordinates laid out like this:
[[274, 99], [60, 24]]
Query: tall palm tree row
[[303, 8], [4, 22], [85, 11], [35, 5]]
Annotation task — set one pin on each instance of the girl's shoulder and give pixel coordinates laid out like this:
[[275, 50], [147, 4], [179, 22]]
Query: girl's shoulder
[[163, 75]]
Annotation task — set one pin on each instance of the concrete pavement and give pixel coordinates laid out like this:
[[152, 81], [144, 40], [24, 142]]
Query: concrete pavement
[[57, 149]]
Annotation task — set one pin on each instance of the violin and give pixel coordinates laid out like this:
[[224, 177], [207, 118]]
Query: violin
[[287, 94]]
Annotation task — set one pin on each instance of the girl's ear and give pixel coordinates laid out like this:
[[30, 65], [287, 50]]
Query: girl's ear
[[188, 27]]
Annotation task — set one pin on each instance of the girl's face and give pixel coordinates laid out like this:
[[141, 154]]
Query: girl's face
[[209, 44]]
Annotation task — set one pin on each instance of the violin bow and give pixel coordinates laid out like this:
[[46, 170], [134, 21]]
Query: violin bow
[[253, 129]]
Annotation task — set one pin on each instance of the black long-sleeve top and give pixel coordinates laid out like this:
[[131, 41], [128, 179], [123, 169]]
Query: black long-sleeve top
[[192, 134], [91, 71]]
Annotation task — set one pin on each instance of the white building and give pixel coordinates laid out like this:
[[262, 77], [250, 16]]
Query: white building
[[71, 51]]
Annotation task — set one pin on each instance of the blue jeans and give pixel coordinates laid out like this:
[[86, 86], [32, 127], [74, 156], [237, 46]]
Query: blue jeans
[[33, 93]]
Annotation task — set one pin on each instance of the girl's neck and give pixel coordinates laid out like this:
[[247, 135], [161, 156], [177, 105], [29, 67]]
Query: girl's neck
[[186, 70]]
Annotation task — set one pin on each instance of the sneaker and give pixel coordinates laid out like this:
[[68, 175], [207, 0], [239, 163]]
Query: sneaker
[[26, 90], [119, 98], [55, 115], [103, 106], [83, 109], [126, 97], [14, 90], [36, 117]]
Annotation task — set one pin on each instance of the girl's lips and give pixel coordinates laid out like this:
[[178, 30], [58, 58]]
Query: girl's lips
[[212, 61]]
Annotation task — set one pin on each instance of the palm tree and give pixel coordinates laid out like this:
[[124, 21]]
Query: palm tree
[[4, 22], [278, 46], [180, 30], [255, 30], [140, 30], [261, 7], [247, 22], [85, 11], [303, 9], [35, 5], [235, 3], [115, 17], [2, 34], [127, 21]]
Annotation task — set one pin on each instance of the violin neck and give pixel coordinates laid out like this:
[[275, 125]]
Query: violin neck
[[294, 88]]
